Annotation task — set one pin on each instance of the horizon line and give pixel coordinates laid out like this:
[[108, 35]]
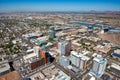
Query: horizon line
[[60, 11]]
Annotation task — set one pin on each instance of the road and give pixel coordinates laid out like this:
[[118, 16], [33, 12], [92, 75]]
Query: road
[[84, 73]]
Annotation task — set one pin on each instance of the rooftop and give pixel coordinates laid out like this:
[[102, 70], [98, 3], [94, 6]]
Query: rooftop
[[89, 77], [116, 66], [4, 67], [29, 56], [85, 58], [117, 51], [103, 49], [99, 59], [116, 55], [76, 54]]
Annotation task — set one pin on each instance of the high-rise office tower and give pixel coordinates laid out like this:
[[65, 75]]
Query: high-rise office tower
[[79, 60], [51, 32], [99, 65], [64, 47]]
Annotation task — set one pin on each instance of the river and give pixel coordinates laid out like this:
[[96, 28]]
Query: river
[[111, 29]]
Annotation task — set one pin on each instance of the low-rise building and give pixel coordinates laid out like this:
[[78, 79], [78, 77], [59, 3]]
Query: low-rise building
[[103, 49], [114, 69], [116, 54], [4, 68]]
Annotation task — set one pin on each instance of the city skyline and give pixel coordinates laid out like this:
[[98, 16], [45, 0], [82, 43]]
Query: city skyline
[[59, 5], [59, 40]]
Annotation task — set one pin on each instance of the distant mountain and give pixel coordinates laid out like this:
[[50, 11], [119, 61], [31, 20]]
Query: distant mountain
[[55, 12]]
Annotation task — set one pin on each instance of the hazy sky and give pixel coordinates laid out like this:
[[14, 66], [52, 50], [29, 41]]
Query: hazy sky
[[59, 5]]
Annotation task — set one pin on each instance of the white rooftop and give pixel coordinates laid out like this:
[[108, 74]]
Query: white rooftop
[[85, 52], [115, 66], [76, 54], [29, 50], [99, 58], [82, 56], [95, 54], [85, 58], [4, 67], [69, 67], [96, 59], [92, 77], [117, 51], [28, 56]]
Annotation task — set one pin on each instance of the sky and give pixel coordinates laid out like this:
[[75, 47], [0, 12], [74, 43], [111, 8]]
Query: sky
[[59, 5]]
